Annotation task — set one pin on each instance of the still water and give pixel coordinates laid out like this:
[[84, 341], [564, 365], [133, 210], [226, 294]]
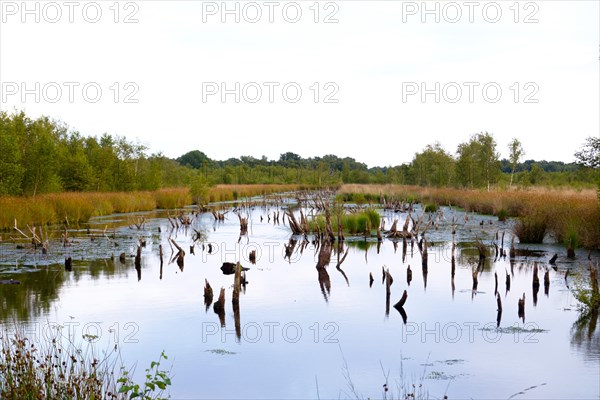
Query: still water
[[304, 333]]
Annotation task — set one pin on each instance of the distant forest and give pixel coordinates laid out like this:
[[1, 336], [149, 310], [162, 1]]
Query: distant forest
[[42, 155]]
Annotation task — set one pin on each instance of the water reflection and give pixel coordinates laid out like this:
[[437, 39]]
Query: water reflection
[[322, 263], [40, 288], [585, 335]]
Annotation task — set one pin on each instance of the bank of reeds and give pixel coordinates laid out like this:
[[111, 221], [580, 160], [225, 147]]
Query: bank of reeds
[[571, 217], [235, 192], [80, 207]]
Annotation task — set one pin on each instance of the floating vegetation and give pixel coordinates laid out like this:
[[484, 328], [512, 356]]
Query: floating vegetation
[[511, 330], [221, 352], [440, 375]]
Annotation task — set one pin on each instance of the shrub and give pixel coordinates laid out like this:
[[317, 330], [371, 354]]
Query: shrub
[[502, 215], [431, 208], [531, 229]]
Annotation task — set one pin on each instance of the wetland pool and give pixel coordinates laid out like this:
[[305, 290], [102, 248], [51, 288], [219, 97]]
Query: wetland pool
[[303, 332]]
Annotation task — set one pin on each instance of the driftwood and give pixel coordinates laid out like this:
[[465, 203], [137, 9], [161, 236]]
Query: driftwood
[[295, 226], [34, 238], [243, 224], [219, 216], [139, 223], [237, 284], [180, 255]]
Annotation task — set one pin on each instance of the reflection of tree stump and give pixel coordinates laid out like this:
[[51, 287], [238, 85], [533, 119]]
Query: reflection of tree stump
[[236, 319], [402, 300], [495, 282], [322, 263], [388, 283], [138, 258], [521, 305], [499, 314], [208, 294], [68, 264], [536, 279], [219, 307]]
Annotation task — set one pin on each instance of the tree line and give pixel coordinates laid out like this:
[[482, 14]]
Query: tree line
[[42, 155]]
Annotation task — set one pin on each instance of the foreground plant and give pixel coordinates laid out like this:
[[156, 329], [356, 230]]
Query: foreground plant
[[59, 369], [156, 381]]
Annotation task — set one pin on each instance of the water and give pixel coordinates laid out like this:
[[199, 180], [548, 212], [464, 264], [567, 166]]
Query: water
[[304, 333]]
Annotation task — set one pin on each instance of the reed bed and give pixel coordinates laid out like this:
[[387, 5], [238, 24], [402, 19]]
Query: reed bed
[[235, 192], [570, 216], [78, 207], [81, 206]]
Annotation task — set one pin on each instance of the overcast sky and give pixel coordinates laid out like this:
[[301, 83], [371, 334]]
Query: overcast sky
[[376, 80]]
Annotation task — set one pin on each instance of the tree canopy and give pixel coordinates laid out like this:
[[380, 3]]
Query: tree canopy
[[43, 155]]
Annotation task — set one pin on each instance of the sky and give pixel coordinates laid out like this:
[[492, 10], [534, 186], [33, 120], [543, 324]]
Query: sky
[[372, 80]]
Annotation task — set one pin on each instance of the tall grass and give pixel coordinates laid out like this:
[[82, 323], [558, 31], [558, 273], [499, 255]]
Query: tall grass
[[567, 215], [80, 207], [354, 223], [77, 207], [235, 192]]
